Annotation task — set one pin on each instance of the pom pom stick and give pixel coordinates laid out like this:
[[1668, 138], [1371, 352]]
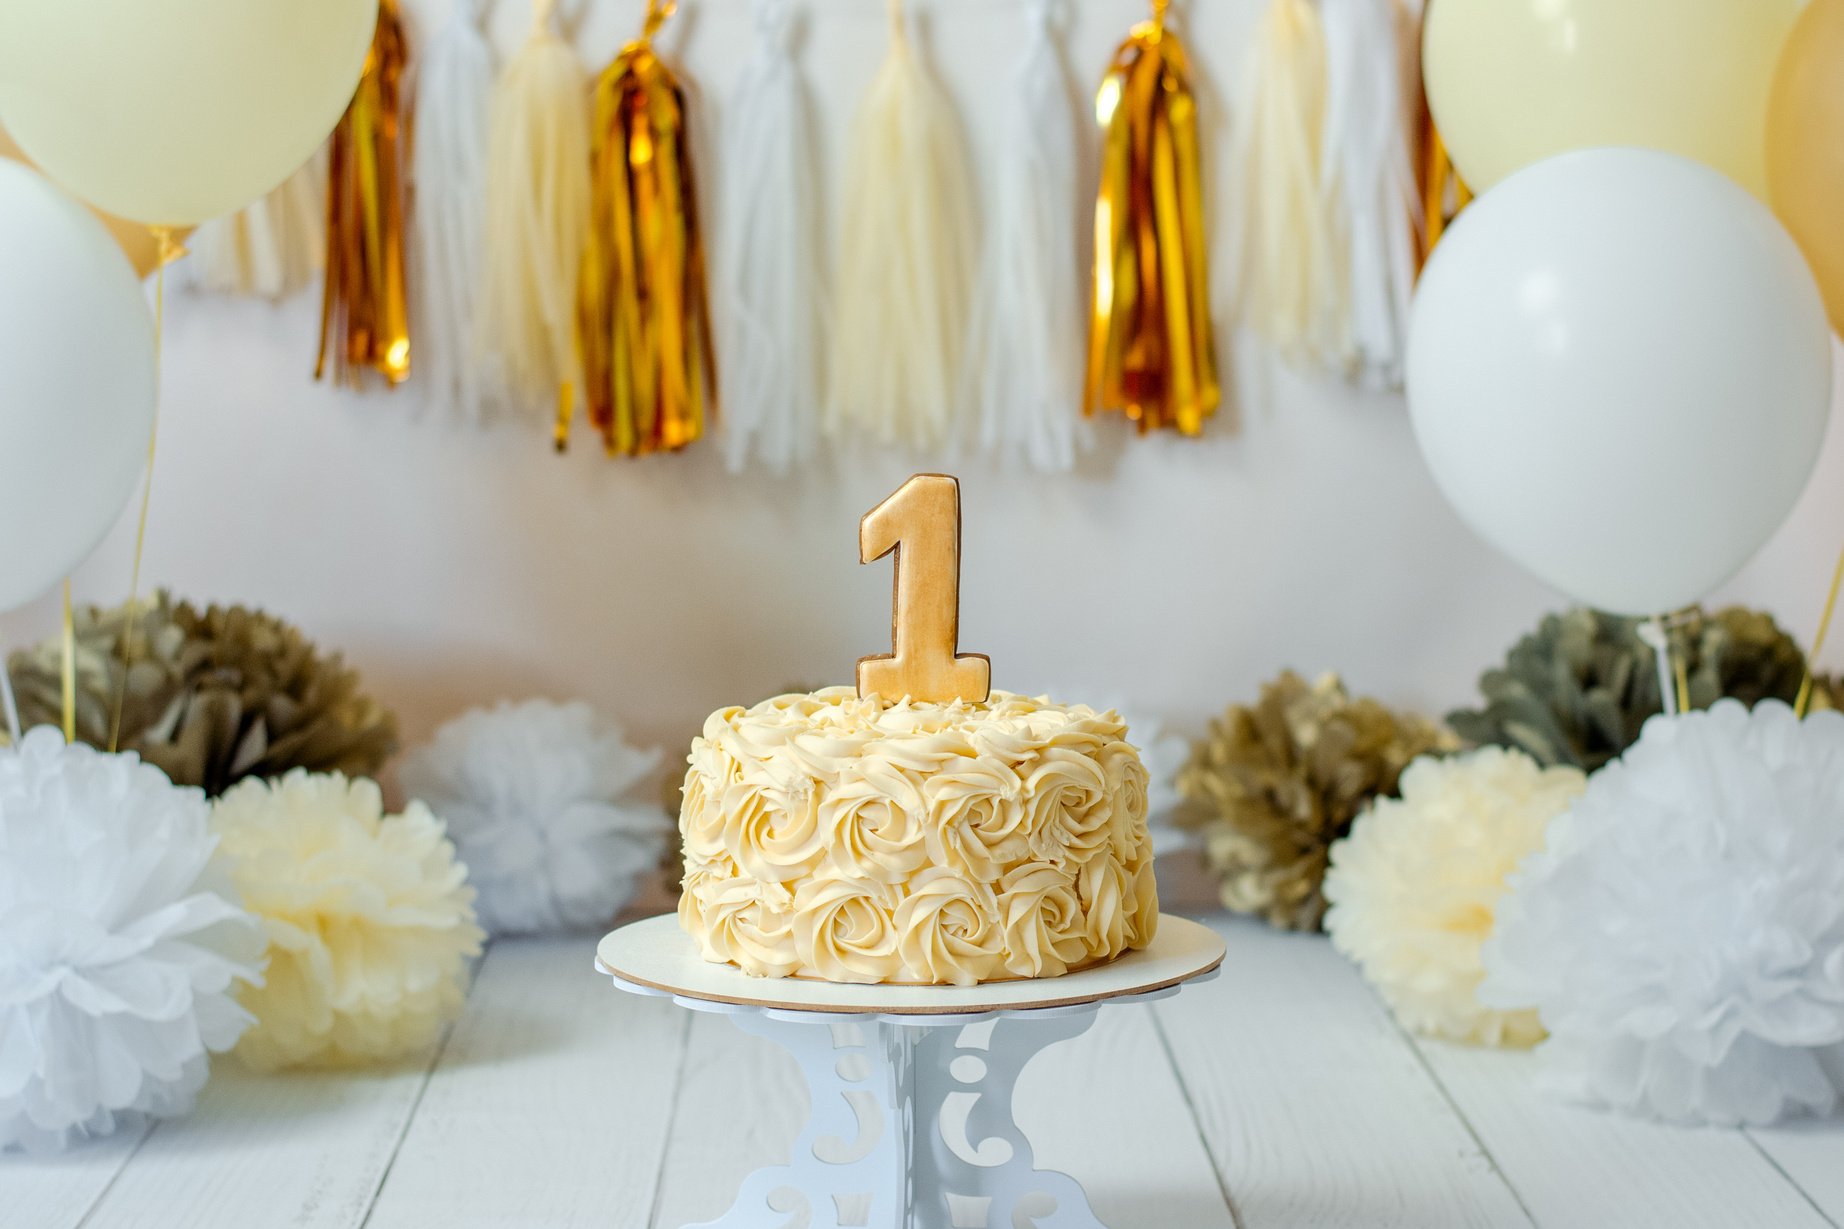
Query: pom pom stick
[[269, 249], [769, 260], [1151, 352], [904, 265], [1289, 277], [1370, 177], [537, 214], [642, 318], [448, 174], [364, 317], [1027, 322]]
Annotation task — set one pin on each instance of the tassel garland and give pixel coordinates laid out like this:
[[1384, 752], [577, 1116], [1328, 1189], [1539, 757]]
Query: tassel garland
[[1289, 271], [269, 249], [642, 317], [904, 263], [448, 175], [537, 202], [769, 260], [1151, 351], [363, 315], [1370, 178], [1027, 330]]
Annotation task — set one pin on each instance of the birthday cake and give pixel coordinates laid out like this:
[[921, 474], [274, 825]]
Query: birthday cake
[[854, 839]]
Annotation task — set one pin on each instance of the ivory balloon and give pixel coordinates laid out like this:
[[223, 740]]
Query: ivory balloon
[[1512, 81], [76, 383], [1805, 145], [1619, 374], [170, 113], [136, 240]]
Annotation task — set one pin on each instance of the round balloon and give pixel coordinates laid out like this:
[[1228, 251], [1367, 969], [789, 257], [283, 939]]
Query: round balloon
[[1619, 374], [137, 241], [1805, 145], [176, 112], [1513, 81], [76, 383]]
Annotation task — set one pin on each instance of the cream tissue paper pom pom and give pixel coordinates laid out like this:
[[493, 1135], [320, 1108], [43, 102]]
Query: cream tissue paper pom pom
[[1414, 887], [369, 917], [119, 944], [555, 814], [1682, 932]]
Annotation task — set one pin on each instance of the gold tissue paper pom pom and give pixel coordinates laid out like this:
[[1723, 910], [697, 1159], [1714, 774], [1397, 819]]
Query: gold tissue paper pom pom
[[1277, 782], [1414, 889], [1578, 688], [213, 696], [369, 917]]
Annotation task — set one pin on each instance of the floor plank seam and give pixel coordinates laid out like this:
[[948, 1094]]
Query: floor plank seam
[[422, 1090], [89, 1213], [1218, 1168], [672, 1121], [1790, 1180], [1447, 1097]]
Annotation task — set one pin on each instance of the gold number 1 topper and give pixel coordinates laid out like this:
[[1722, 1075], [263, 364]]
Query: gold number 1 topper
[[921, 523]]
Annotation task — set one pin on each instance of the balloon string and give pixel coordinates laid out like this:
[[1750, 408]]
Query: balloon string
[[70, 669], [1653, 633], [169, 250], [12, 705], [1804, 699]]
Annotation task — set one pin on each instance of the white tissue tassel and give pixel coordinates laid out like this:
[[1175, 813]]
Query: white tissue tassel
[[1370, 178], [1027, 334], [769, 260], [454, 78]]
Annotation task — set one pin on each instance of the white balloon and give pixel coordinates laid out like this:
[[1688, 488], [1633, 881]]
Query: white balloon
[[77, 383], [1619, 373]]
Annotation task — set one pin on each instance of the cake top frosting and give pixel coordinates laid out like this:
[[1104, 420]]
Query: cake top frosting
[[807, 735]]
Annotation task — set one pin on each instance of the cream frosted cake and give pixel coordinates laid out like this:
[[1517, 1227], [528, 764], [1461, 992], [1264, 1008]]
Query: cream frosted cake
[[852, 839]]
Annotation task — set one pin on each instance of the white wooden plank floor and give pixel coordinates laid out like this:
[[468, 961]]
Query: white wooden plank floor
[[1279, 1095]]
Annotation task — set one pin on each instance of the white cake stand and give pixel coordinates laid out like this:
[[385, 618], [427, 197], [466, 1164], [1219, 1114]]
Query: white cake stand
[[911, 1124]]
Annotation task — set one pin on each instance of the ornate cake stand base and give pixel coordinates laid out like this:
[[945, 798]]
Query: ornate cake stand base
[[911, 1124]]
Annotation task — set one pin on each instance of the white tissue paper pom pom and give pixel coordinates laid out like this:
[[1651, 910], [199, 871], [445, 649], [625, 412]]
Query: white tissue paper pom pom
[[1682, 931], [1414, 887], [369, 917], [556, 815], [119, 944]]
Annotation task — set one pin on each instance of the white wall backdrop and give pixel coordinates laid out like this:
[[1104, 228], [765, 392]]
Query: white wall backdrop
[[457, 567]]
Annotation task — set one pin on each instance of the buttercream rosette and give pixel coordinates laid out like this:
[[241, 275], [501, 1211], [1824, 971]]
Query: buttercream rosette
[[857, 840]]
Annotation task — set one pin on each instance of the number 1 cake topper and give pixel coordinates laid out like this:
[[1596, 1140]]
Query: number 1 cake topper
[[920, 522]]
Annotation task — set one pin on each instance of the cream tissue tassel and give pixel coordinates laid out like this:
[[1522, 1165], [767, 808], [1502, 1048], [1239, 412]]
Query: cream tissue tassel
[[454, 76], [903, 271], [1287, 265], [269, 249], [769, 280], [537, 215], [1027, 334], [119, 944], [1371, 181]]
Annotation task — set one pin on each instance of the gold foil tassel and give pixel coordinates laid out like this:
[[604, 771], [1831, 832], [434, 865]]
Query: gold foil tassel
[[1444, 193], [364, 320], [643, 322], [1151, 349]]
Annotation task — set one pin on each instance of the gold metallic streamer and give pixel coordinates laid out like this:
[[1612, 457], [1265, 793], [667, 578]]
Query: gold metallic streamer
[[364, 319], [1151, 348], [643, 323], [1444, 193]]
